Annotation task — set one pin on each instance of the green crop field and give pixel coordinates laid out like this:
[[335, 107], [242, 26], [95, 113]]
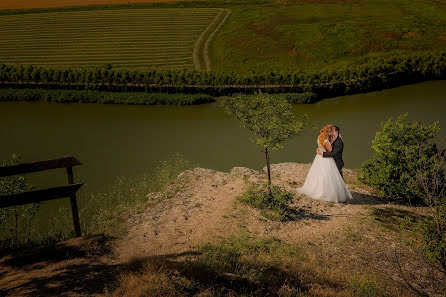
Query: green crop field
[[224, 35], [173, 38]]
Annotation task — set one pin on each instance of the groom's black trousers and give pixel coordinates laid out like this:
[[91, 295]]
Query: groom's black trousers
[[340, 171]]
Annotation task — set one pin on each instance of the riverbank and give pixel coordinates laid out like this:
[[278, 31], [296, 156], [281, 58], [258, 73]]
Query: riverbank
[[195, 238], [376, 74], [130, 98], [91, 96]]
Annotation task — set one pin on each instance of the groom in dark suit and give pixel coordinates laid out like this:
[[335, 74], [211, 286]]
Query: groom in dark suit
[[337, 147]]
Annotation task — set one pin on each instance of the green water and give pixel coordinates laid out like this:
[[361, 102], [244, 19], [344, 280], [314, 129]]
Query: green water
[[115, 140], [112, 140]]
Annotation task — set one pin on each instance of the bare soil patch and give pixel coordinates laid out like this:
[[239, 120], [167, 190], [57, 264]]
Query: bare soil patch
[[28, 4]]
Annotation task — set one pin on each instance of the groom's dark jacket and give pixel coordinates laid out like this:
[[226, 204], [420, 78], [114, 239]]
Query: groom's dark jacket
[[336, 153]]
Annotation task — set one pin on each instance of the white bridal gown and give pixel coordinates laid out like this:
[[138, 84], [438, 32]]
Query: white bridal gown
[[324, 182]]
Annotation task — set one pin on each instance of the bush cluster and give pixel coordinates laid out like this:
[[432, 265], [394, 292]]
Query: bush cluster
[[397, 147], [410, 163]]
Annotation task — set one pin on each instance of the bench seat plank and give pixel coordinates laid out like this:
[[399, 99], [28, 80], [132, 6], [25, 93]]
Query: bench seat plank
[[63, 162], [39, 195]]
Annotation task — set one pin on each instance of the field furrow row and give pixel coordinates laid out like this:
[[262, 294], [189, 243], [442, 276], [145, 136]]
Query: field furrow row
[[149, 11], [127, 29], [59, 45], [172, 39], [99, 58], [103, 63], [173, 54], [93, 49], [30, 18], [104, 36], [116, 23], [190, 18], [120, 32]]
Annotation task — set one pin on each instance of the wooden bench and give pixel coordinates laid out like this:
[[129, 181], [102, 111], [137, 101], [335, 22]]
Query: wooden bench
[[45, 194]]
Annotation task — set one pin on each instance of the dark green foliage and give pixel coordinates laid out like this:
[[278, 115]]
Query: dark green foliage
[[276, 206], [270, 119], [89, 96], [16, 222], [301, 98], [371, 75], [433, 231], [392, 169], [297, 98], [431, 177]]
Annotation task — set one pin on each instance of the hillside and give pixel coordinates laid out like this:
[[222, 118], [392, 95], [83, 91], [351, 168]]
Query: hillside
[[313, 34], [194, 238], [269, 35]]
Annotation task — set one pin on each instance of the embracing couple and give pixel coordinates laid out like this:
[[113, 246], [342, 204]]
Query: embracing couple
[[324, 180]]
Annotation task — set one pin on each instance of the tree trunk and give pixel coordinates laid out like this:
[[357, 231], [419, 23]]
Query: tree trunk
[[268, 187]]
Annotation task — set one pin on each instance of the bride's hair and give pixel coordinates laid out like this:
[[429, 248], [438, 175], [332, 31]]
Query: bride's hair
[[324, 134]]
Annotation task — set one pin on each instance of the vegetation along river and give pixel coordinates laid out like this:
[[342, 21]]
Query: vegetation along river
[[123, 140]]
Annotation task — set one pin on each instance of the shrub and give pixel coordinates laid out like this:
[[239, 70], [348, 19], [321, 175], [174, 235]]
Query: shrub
[[392, 168], [15, 221], [431, 177], [274, 206], [410, 163], [301, 98], [434, 239]]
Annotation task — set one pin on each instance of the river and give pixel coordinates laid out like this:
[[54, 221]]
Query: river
[[125, 140]]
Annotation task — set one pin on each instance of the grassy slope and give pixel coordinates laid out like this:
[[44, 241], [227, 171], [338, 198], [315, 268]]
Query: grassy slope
[[311, 34]]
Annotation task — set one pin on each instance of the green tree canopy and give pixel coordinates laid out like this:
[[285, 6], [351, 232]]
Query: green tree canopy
[[271, 120]]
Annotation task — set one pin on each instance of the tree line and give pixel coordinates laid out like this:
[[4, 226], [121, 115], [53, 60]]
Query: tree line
[[372, 75]]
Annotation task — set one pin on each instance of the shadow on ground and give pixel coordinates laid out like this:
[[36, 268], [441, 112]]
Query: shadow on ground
[[70, 269], [366, 199], [74, 267], [392, 218]]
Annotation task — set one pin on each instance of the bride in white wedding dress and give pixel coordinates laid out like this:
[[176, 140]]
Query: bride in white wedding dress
[[324, 182]]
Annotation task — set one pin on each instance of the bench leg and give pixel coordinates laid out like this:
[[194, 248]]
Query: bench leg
[[77, 227]]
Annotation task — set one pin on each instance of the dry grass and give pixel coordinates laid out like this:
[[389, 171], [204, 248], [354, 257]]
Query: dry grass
[[27, 4]]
